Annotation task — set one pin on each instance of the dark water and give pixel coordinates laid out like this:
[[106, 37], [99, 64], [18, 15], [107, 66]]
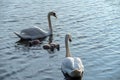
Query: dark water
[[95, 29]]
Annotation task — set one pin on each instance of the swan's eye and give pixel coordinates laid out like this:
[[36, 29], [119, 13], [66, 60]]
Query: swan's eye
[[54, 14], [70, 40]]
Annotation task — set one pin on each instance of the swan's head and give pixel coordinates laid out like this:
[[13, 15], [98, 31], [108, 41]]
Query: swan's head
[[53, 14], [68, 37]]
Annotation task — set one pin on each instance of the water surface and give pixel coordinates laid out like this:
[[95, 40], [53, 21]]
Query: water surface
[[93, 24]]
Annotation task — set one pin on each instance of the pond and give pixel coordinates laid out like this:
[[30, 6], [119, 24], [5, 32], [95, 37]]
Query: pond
[[93, 24]]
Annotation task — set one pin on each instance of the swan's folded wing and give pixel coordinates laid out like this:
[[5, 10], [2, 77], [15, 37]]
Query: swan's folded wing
[[22, 36], [70, 64], [78, 64], [34, 32], [67, 65], [40, 30]]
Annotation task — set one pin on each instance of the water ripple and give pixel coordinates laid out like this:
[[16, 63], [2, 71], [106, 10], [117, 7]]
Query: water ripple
[[93, 24], [8, 74]]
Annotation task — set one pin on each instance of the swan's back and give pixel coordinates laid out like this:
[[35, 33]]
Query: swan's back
[[70, 64], [34, 32]]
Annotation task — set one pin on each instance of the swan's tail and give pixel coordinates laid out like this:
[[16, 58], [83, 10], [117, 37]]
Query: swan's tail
[[77, 73], [18, 35]]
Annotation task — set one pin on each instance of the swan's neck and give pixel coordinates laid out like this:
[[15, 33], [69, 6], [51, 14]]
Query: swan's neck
[[49, 23], [67, 47]]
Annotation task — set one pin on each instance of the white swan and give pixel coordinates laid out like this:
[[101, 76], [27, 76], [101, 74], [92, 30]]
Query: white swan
[[71, 66], [36, 32]]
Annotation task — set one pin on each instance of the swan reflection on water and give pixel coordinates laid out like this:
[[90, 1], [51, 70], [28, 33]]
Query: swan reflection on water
[[30, 43], [67, 77]]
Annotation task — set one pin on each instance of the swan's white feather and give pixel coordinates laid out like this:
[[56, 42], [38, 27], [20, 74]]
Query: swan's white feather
[[22, 35], [70, 64], [32, 33]]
